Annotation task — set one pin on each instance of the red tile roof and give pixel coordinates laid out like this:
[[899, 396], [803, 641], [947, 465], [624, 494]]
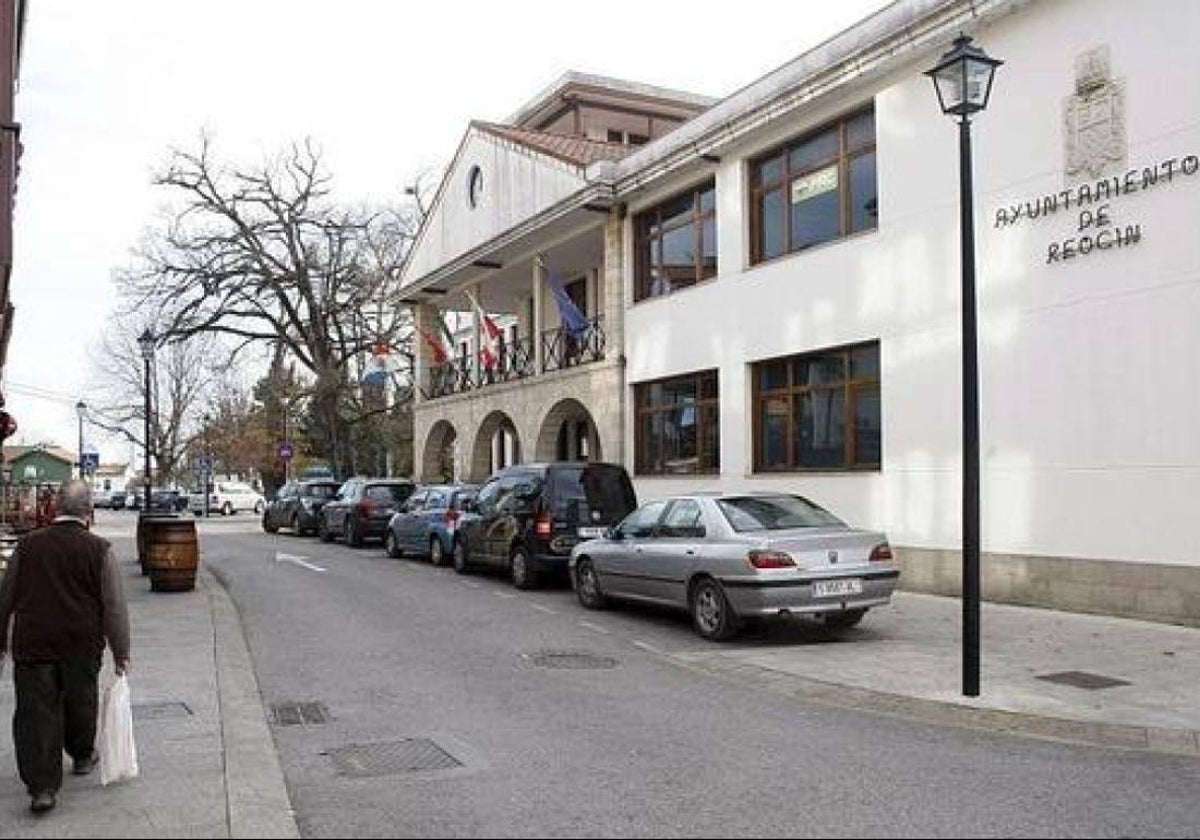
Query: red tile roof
[[577, 150]]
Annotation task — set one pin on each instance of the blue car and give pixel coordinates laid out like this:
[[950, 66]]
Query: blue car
[[427, 524]]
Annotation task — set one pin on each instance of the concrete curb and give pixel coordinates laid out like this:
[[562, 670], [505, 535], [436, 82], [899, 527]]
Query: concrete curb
[[255, 792], [1116, 736]]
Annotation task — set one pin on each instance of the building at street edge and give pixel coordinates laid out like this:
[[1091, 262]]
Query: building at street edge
[[762, 292]]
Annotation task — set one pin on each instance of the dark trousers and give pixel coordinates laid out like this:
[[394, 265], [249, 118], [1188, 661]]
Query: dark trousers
[[57, 704]]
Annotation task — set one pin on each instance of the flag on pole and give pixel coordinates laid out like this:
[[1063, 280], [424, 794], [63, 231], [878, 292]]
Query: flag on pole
[[489, 349], [445, 331], [573, 320], [440, 356]]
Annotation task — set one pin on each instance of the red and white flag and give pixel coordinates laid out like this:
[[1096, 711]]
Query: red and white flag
[[489, 345]]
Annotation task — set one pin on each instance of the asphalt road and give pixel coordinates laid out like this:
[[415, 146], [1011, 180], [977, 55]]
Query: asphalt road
[[449, 713]]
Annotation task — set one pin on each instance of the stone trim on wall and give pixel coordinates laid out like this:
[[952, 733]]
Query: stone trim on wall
[[1146, 591]]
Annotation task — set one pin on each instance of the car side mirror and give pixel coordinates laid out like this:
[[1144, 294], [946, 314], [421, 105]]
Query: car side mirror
[[614, 534]]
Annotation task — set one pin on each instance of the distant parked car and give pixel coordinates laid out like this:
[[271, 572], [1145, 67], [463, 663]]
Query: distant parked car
[[362, 509], [103, 499], [727, 558], [169, 501], [227, 498], [427, 523], [298, 506], [530, 516]]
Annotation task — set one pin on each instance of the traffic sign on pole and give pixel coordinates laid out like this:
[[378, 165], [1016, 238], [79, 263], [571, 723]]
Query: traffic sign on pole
[[285, 451]]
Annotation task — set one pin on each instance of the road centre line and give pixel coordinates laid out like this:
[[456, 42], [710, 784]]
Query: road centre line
[[546, 610], [504, 594], [646, 646], [595, 627]]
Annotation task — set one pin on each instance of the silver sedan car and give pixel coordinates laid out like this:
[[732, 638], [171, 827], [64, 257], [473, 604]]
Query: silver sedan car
[[729, 557]]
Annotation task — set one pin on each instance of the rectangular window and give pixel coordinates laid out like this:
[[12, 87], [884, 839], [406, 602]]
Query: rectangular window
[[676, 243], [818, 188], [677, 429], [818, 411]]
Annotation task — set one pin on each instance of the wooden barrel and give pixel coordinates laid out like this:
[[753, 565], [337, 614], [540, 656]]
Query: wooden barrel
[[172, 552]]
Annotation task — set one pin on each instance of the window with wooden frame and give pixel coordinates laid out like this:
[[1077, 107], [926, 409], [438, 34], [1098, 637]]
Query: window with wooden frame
[[818, 411], [815, 189], [676, 243], [677, 425]]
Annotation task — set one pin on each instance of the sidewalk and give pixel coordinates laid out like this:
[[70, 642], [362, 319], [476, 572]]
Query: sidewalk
[[207, 762], [209, 767], [1116, 682]]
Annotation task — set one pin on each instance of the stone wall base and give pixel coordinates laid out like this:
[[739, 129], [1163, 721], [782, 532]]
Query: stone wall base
[[1147, 591]]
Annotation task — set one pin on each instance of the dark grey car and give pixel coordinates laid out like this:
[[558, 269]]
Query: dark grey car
[[727, 558], [298, 505]]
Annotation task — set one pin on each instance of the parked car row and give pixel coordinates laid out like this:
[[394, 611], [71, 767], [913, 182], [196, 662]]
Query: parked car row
[[725, 558]]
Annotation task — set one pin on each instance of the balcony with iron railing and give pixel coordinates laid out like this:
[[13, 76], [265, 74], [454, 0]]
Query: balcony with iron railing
[[516, 361]]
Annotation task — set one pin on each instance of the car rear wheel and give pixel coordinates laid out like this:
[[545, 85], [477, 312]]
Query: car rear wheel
[[391, 545], [462, 563], [712, 616], [587, 586], [437, 554], [352, 535], [844, 619], [523, 576]]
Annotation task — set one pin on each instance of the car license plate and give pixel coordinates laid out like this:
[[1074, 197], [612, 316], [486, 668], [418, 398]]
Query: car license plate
[[588, 532], [838, 586]]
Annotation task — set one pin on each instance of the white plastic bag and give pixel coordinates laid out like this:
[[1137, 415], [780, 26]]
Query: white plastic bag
[[118, 752]]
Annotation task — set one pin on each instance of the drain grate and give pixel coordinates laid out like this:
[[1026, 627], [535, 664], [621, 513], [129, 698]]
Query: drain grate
[[158, 711], [386, 758], [299, 714], [1082, 679], [572, 659]]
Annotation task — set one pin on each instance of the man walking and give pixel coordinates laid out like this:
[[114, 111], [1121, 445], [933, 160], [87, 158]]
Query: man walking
[[63, 591]]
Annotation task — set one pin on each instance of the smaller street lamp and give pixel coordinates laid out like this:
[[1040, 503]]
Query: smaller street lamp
[[81, 411], [963, 81], [147, 341]]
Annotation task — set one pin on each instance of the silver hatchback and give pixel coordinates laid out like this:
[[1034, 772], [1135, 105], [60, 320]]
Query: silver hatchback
[[729, 557]]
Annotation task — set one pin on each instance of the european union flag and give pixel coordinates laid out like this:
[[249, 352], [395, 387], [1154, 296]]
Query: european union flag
[[574, 322]]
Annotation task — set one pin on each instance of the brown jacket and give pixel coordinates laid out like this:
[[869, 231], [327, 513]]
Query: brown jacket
[[63, 591]]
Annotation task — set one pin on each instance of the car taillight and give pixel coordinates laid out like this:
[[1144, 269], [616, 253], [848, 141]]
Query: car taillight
[[770, 559], [364, 508], [542, 527], [881, 553], [451, 516]]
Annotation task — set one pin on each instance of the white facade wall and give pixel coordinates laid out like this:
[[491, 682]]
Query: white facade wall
[[518, 184], [1089, 368]]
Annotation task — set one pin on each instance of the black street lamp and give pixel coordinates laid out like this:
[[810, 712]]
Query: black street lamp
[[81, 411], [963, 81], [147, 341]]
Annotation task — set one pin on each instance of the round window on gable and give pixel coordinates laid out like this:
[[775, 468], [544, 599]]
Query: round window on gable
[[474, 186]]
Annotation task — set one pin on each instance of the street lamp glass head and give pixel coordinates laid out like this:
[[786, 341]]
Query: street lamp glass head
[[963, 78], [81, 409], [147, 340]]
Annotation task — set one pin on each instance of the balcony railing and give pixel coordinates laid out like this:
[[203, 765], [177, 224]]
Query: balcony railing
[[560, 350]]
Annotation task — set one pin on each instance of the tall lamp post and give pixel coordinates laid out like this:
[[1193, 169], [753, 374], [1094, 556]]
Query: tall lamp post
[[963, 81], [81, 411], [147, 341]]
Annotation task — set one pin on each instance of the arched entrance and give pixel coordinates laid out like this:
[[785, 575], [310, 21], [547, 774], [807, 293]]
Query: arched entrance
[[439, 459], [568, 433], [497, 445]]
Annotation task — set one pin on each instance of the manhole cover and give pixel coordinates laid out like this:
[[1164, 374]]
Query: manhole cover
[[386, 758], [1082, 679], [299, 714], [157, 711], [572, 659]]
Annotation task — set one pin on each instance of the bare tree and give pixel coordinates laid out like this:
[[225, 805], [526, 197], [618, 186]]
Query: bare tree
[[264, 255], [181, 376]]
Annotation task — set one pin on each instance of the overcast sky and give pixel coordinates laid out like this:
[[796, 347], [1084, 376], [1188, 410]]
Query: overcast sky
[[385, 88]]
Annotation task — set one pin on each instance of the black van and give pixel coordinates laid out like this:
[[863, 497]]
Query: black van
[[526, 518]]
